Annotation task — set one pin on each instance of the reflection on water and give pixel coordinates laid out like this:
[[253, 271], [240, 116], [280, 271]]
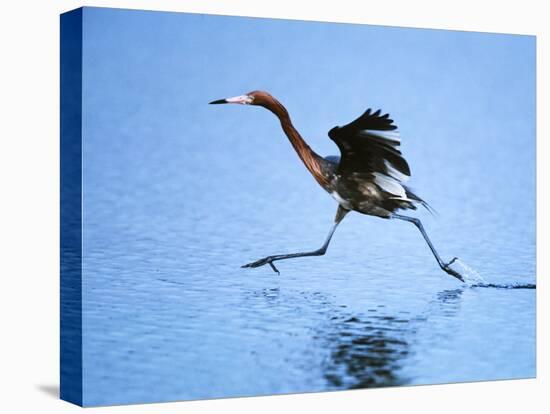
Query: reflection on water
[[369, 350], [366, 352], [363, 350], [447, 303]]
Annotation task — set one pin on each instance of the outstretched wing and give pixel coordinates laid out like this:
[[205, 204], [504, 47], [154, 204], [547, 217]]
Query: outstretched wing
[[370, 144], [370, 151]]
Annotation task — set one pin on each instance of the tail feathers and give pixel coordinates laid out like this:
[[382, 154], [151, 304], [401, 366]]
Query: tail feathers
[[414, 197]]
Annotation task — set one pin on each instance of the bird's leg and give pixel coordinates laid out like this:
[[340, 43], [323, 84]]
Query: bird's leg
[[445, 266], [340, 214]]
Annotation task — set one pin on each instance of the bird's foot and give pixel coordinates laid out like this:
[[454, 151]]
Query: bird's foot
[[266, 260], [447, 268]]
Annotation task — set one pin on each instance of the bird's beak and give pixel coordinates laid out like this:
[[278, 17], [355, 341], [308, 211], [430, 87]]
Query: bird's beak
[[241, 99], [218, 101]]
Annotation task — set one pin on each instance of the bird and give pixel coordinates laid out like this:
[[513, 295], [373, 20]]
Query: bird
[[368, 177]]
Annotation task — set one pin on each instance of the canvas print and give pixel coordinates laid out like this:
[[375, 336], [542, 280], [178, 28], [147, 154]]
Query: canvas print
[[264, 206]]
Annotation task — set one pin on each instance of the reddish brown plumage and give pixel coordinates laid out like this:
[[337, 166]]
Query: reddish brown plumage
[[310, 158]]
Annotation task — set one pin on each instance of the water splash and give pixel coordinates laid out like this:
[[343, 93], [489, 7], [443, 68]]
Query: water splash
[[506, 285], [473, 279], [471, 276]]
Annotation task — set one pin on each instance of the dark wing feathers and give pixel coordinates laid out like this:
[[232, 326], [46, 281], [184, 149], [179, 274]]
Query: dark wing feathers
[[371, 121], [367, 145]]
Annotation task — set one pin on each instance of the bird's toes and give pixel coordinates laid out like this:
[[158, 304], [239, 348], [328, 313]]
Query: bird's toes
[[264, 261], [274, 268], [452, 272], [257, 263]]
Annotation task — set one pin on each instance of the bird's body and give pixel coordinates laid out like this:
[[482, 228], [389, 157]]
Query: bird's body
[[368, 177], [365, 193], [373, 195]]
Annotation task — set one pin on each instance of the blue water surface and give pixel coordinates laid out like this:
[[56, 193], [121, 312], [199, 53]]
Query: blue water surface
[[178, 194]]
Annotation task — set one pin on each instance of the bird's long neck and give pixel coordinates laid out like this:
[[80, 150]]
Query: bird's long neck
[[310, 158]]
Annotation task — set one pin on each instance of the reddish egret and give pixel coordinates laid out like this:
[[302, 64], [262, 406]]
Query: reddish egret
[[368, 177]]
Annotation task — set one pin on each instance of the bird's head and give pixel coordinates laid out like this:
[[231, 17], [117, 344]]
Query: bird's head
[[260, 98]]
